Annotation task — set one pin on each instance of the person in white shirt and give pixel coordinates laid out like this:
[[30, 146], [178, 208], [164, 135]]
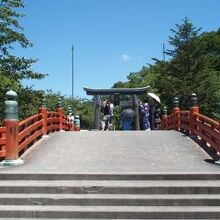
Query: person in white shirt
[[71, 118]]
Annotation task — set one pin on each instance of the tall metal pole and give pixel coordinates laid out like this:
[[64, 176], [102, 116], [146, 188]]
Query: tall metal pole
[[163, 51], [72, 72]]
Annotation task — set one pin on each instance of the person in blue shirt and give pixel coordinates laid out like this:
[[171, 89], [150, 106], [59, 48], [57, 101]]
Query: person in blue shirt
[[127, 117]]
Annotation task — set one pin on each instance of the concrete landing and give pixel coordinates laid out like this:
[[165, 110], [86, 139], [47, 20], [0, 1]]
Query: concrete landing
[[117, 152]]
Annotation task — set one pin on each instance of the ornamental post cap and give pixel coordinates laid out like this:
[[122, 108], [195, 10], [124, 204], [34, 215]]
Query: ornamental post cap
[[11, 95], [69, 109], [175, 102], [43, 102], [164, 111], [59, 102], [193, 100]]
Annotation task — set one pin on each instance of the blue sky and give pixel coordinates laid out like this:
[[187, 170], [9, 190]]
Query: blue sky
[[111, 38]]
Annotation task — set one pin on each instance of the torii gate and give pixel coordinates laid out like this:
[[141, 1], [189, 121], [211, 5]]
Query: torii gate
[[116, 91]]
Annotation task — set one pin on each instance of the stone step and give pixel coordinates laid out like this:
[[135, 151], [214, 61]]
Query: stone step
[[113, 212], [110, 176], [110, 199], [111, 187], [89, 219]]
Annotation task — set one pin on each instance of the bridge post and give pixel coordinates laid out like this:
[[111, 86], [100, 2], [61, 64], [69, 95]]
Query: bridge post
[[43, 111], [176, 111], [97, 112], [193, 109], [12, 130], [77, 123], [69, 109], [61, 113], [164, 118], [136, 109], [218, 161]]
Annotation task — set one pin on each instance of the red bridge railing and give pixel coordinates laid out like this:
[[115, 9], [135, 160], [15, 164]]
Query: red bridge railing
[[2, 141], [193, 123], [30, 130], [16, 137]]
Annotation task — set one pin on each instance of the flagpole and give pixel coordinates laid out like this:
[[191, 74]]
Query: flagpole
[[164, 52], [72, 72]]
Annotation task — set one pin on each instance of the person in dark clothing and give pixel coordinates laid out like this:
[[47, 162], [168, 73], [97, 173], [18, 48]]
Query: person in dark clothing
[[154, 115], [145, 108], [127, 117], [107, 115]]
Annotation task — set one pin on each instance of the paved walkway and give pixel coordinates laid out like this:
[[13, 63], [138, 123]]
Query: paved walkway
[[116, 152]]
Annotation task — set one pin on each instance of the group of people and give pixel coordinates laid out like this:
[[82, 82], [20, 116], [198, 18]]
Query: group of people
[[149, 116]]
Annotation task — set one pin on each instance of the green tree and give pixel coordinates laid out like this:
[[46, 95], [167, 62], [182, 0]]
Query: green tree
[[13, 68], [194, 66], [82, 107]]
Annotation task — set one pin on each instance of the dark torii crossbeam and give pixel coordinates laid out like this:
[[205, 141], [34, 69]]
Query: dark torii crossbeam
[[116, 91]]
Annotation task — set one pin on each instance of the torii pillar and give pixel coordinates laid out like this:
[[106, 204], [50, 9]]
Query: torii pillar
[[97, 111], [136, 109]]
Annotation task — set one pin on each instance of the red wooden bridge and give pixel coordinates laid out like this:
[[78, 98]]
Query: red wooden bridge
[[110, 175], [17, 137]]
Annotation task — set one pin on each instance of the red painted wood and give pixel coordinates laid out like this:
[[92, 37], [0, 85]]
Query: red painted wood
[[207, 139], [44, 113], [2, 130], [2, 141], [30, 139], [176, 114], [36, 126], [2, 153], [53, 120], [61, 114], [52, 127], [194, 123], [30, 119], [11, 146]]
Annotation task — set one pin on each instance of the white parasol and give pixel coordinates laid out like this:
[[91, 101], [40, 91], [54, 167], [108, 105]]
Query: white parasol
[[154, 96]]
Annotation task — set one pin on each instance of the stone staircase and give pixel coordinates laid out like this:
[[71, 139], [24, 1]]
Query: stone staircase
[[110, 196]]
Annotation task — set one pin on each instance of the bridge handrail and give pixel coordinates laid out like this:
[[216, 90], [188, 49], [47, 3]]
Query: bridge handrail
[[208, 130], [2, 141], [26, 132], [67, 125], [193, 123], [184, 121], [53, 121], [30, 130]]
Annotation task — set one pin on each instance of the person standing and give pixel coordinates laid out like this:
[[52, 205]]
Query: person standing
[[111, 105], [107, 116], [127, 117], [154, 114], [71, 118], [145, 109]]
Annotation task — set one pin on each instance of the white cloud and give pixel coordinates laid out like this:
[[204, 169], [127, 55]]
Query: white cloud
[[125, 57]]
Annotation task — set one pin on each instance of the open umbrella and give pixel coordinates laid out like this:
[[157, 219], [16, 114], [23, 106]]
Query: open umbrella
[[154, 96]]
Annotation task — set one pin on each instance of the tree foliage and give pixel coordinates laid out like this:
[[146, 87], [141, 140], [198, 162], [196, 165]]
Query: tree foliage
[[194, 66], [14, 68], [11, 35], [82, 107]]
